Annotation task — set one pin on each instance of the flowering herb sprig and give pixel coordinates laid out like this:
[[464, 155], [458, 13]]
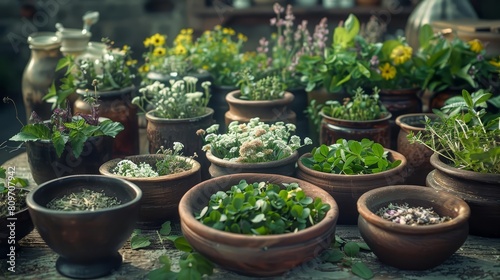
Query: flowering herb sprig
[[172, 162], [253, 142], [179, 101], [289, 45], [411, 216], [267, 88], [361, 107], [161, 58]]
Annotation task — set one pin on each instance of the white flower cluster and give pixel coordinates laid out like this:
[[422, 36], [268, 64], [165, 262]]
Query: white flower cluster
[[254, 141], [128, 168]]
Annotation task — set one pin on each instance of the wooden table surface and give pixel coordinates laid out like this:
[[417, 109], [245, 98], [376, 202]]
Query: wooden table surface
[[478, 258]]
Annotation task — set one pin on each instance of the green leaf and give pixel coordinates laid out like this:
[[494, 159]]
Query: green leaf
[[139, 241], [77, 141], [258, 218], [332, 255], [467, 98], [205, 267], [363, 246], [182, 244], [32, 132], [355, 147], [362, 270], [59, 142], [351, 249], [378, 149], [238, 201], [371, 160], [3, 173], [166, 228], [425, 35], [161, 274], [110, 128], [189, 269]]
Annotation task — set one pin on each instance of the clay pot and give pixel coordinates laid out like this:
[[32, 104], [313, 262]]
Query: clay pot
[[413, 247], [45, 165], [219, 167], [87, 242], [160, 195], [481, 191], [164, 132], [333, 129], [400, 102], [117, 106], [346, 189], [268, 111], [264, 255], [416, 154]]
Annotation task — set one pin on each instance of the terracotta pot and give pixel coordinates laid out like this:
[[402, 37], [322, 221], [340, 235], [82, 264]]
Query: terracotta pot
[[481, 191], [117, 106], [400, 102], [416, 154], [87, 242], [265, 255], [267, 110], [220, 167], [40, 73], [164, 132], [219, 104], [45, 165], [333, 129], [346, 189], [413, 247], [160, 195]]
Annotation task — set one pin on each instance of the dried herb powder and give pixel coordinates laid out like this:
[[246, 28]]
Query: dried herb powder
[[85, 200], [412, 216]]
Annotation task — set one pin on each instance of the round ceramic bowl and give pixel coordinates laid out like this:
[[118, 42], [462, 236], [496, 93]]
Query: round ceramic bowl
[[160, 195], [266, 255], [413, 247], [87, 241]]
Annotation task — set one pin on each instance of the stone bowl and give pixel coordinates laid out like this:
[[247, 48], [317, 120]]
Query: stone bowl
[[87, 242], [264, 255], [413, 247]]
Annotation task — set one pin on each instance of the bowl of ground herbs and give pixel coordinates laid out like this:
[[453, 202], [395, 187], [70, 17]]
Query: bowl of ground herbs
[[412, 227], [81, 218]]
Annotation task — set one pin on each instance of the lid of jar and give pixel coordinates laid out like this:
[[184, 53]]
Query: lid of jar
[[44, 40]]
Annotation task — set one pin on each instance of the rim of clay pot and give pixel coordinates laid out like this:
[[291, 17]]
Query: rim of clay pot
[[151, 117], [106, 93], [232, 97], [438, 163], [226, 163], [405, 121], [400, 169], [386, 118], [44, 41], [30, 201], [107, 167], [189, 219], [412, 192]]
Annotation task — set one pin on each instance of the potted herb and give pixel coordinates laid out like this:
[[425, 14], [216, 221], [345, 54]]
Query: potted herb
[[67, 144], [257, 237], [396, 222], [253, 147], [265, 98], [163, 177], [85, 219], [13, 192], [466, 146], [362, 116], [347, 169], [110, 72]]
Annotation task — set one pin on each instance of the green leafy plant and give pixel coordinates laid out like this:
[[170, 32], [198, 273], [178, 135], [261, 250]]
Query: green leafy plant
[[172, 162], [362, 107], [267, 88], [350, 158], [346, 253], [254, 141], [462, 137], [179, 101], [63, 128], [14, 189], [262, 208]]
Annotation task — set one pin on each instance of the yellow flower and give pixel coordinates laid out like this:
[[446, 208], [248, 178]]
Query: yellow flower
[[205, 67], [125, 48], [228, 31], [147, 42], [157, 40], [131, 62], [476, 45], [388, 71], [217, 27], [495, 62], [180, 50], [242, 37], [144, 68], [159, 51], [401, 54]]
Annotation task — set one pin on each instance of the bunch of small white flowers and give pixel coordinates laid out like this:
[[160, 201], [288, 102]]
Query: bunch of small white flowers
[[128, 168], [253, 142], [179, 101]]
